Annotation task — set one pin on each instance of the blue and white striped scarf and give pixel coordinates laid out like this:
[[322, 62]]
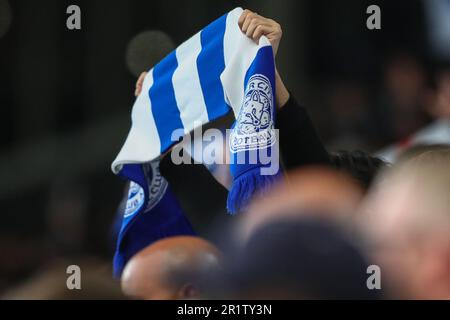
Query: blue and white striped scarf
[[217, 70]]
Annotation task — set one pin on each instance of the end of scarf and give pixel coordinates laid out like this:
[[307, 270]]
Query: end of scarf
[[246, 186]]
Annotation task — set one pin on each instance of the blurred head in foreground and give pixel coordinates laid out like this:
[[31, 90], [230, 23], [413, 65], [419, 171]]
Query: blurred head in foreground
[[407, 216], [170, 269], [300, 258], [312, 191]]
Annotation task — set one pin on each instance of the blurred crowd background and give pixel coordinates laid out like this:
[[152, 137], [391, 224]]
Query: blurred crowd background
[[65, 99]]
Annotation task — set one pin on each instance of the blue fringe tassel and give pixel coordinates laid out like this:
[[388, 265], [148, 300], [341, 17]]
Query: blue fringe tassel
[[245, 187]]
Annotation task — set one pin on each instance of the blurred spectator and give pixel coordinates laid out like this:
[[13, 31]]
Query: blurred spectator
[[438, 107], [20, 256], [170, 269], [349, 105], [66, 217], [407, 216], [401, 110], [298, 259], [317, 191]]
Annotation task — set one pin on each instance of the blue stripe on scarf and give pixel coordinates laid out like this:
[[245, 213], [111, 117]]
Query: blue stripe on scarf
[[210, 65], [163, 102]]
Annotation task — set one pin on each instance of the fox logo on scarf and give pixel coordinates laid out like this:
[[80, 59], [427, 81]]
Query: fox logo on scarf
[[255, 127], [216, 71]]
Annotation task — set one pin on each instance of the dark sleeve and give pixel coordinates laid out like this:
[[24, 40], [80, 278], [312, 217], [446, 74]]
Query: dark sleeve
[[300, 144], [201, 210]]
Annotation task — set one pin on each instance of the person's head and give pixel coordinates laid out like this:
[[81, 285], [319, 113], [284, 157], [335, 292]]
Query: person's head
[[418, 149], [299, 258], [311, 191], [404, 79], [170, 269], [407, 216], [438, 104], [360, 165]]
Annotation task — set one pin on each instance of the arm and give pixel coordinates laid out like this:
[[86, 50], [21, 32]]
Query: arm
[[300, 144]]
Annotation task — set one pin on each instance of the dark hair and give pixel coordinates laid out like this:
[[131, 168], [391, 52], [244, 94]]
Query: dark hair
[[358, 164], [300, 259]]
